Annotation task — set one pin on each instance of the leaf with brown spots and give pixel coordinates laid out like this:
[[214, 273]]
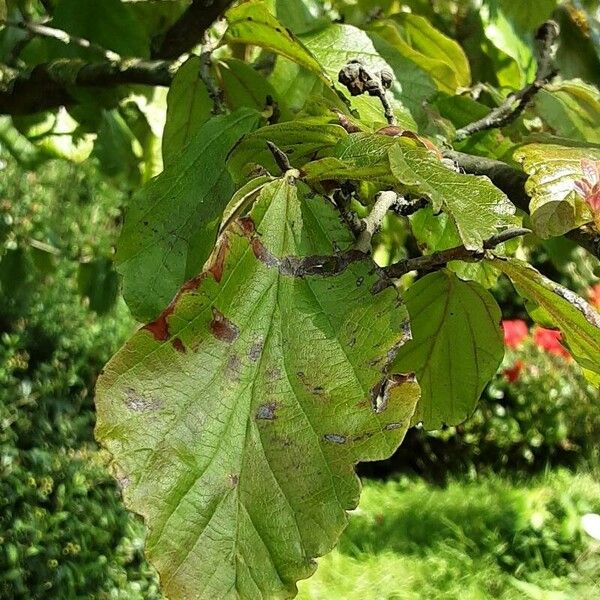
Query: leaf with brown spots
[[171, 224], [245, 470]]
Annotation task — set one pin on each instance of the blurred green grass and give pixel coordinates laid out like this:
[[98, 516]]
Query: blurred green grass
[[471, 540]]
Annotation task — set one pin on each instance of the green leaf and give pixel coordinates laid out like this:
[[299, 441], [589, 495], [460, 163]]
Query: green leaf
[[99, 282], [301, 16], [301, 140], [477, 207], [244, 86], [117, 149], [359, 157], [571, 109], [416, 39], [335, 45], [110, 24], [171, 224], [18, 146], [252, 23], [577, 320], [57, 134], [436, 232], [528, 16], [510, 42], [457, 346], [555, 206], [236, 418], [189, 106]]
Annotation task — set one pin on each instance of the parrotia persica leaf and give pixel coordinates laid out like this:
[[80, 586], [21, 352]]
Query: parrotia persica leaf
[[243, 86], [572, 109], [252, 23], [335, 45], [358, 156], [171, 224], [556, 206], [578, 321], [456, 348], [188, 107], [440, 56], [477, 207], [302, 140], [235, 419]]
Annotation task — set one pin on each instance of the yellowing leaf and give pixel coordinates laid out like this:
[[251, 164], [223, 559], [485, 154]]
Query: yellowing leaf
[[555, 205], [440, 56], [236, 418]]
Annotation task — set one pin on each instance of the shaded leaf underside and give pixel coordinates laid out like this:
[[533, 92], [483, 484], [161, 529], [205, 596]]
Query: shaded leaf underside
[[236, 417]]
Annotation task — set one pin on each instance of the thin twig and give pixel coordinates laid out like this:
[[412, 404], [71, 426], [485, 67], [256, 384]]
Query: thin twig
[[42, 30], [283, 162], [516, 103], [342, 197], [189, 30], [214, 91], [438, 259], [372, 222]]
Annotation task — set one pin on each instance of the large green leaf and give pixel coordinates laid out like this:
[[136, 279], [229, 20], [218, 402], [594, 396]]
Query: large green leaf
[[578, 321], [171, 224], [572, 109], [301, 16], [235, 419], [302, 140], [189, 106], [244, 86], [337, 44], [555, 205], [416, 39], [456, 347], [359, 156], [252, 23], [477, 207]]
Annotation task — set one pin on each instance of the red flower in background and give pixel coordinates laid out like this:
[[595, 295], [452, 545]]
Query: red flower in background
[[513, 373], [594, 295], [515, 331], [549, 340]]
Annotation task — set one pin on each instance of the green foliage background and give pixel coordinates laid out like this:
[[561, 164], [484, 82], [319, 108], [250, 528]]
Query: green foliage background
[[66, 534], [63, 529]]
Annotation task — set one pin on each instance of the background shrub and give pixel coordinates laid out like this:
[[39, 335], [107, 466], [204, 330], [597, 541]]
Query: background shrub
[[64, 532]]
